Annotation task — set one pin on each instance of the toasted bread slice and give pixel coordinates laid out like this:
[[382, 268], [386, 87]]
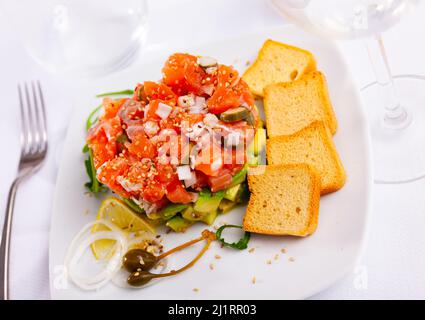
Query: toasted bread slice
[[284, 201], [312, 145], [291, 106], [277, 62]]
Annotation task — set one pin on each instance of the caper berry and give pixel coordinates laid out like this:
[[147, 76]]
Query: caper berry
[[140, 278], [138, 260]]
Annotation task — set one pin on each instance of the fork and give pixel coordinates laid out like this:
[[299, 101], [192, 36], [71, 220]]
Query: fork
[[34, 147]]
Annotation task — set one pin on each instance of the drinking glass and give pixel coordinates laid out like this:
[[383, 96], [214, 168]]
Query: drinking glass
[[84, 37], [394, 104]]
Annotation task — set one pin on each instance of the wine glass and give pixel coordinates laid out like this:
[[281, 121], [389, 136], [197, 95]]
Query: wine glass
[[394, 104], [81, 37]]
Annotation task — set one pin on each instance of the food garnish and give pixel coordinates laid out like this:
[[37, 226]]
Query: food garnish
[[116, 93], [117, 212], [93, 185], [240, 245], [134, 261], [120, 238], [80, 244]]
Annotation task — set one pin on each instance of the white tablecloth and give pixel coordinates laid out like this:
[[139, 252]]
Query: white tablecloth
[[394, 259]]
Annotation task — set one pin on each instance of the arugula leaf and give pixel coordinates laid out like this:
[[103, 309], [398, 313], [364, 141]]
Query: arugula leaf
[[116, 93], [240, 245], [93, 185], [86, 148], [92, 119]]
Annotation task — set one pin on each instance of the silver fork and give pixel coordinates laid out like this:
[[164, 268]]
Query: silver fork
[[33, 152]]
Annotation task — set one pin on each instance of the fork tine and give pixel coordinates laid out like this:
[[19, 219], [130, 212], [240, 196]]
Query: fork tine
[[43, 116], [38, 121], [32, 131], [25, 137]]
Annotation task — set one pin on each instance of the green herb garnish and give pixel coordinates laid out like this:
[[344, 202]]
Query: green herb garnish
[[86, 148], [240, 245], [92, 119], [93, 185], [116, 93]]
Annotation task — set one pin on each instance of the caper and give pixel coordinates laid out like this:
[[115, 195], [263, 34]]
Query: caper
[[140, 278], [138, 260], [140, 93]]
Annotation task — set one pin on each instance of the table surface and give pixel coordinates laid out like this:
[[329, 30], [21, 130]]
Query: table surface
[[393, 264]]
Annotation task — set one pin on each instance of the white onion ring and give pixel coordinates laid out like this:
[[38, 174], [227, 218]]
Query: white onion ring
[[78, 247]]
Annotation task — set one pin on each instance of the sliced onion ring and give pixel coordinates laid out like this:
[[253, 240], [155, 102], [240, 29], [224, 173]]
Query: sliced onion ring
[[79, 245]]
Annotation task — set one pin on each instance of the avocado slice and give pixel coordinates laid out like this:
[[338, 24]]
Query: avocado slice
[[231, 193], [226, 205], [190, 214], [243, 194], [259, 143], [209, 218], [178, 224], [238, 193], [168, 212], [239, 177], [208, 202]]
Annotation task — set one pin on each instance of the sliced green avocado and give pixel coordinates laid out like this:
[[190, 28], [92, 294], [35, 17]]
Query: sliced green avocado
[[168, 212], [172, 209], [226, 205], [208, 202], [190, 214], [132, 205], [178, 224], [231, 193], [243, 194], [209, 218], [259, 142], [238, 193], [239, 177]]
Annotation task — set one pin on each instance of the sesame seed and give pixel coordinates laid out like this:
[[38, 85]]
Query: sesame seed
[[211, 266], [195, 290], [276, 257], [269, 262], [283, 250], [254, 280], [291, 259], [251, 250], [217, 257]]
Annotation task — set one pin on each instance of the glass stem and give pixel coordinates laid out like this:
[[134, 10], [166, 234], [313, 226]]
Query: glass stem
[[395, 116]]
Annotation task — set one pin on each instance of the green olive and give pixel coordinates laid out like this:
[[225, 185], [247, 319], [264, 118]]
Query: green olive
[[139, 260], [235, 114], [140, 278]]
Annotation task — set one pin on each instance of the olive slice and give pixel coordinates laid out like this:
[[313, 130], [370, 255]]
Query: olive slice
[[235, 114]]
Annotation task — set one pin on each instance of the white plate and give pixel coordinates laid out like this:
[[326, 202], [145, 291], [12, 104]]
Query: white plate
[[319, 260]]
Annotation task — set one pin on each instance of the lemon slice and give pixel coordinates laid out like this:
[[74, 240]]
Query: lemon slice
[[117, 212]]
